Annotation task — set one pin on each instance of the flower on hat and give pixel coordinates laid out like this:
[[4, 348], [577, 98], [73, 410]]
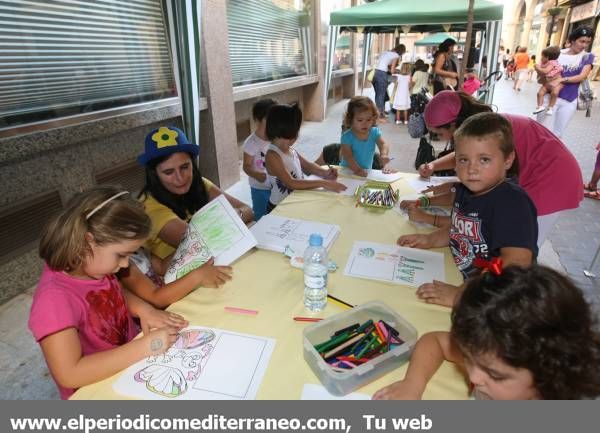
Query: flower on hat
[[165, 137]]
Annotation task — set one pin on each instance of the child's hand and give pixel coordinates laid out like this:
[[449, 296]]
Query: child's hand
[[408, 204], [438, 292], [334, 186], [151, 318], [439, 189], [400, 390], [417, 215], [361, 172], [161, 339], [426, 170], [388, 170], [415, 241], [210, 275], [331, 173]]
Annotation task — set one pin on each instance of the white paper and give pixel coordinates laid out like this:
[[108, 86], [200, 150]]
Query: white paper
[[373, 174], [421, 183], [394, 264], [274, 232], [216, 231], [203, 364], [433, 210], [351, 184], [318, 392]]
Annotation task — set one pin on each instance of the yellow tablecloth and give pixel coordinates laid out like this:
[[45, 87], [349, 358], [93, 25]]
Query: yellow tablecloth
[[265, 281]]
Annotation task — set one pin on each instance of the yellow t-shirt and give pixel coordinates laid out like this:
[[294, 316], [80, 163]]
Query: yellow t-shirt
[[160, 215]]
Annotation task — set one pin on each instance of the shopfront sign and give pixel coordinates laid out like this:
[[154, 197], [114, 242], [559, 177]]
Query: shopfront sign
[[584, 11]]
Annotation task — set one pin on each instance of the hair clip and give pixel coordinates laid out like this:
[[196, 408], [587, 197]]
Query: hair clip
[[101, 205], [494, 265]]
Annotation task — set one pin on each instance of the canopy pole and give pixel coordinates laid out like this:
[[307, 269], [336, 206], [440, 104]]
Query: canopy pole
[[184, 26], [365, 54], [492, 60], [332, 33]]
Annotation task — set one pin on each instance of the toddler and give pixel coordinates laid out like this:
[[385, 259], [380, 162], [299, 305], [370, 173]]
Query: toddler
[[550, 78]]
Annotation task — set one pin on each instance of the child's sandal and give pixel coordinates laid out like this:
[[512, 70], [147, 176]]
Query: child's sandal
[[589, 187], [592, 194]]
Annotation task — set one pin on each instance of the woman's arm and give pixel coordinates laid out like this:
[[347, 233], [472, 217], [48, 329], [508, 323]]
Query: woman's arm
[[579, 77], [244, 211], [430, 351], [346, 152], [71, 369], [172, 232], [206, 275], [249, 169]]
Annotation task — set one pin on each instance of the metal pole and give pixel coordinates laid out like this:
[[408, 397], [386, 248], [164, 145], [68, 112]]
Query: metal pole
[[589, 271]]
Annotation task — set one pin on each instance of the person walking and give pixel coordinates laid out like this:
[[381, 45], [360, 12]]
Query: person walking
[[388, 60]]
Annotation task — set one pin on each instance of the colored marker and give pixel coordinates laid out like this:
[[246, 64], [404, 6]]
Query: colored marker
[[307, 319], [340, 301], [241, 311]]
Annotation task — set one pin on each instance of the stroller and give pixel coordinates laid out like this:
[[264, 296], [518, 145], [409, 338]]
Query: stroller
[[487, 84]]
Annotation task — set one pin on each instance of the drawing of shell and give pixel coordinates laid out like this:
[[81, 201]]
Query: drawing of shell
[[162, 380], [366, 252], [193, 338]]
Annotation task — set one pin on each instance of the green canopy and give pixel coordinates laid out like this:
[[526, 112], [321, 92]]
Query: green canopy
[[435, 39], [385, 16]]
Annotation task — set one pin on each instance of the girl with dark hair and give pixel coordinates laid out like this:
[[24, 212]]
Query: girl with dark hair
[[173, 192], [518, 334], [577, 64], [445, 75], [285, 166], [548, 172]]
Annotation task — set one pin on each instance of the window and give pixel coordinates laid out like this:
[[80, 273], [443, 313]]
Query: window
[[64, 57], [343, 55], [269, 39]]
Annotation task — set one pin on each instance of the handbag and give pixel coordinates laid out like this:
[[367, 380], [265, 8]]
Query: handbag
[[425, 153], [585, 97], [371, 74], [416, 125]]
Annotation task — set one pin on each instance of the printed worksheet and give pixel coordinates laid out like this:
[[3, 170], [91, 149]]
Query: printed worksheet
[[203, 364], [216, 231], [421, 183], [394, 264], [351, 184], [373, 174], [275, 233]]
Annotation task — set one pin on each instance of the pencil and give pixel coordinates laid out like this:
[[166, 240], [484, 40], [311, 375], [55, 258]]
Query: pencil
[[340, 301], [307, 319], [241, 310]]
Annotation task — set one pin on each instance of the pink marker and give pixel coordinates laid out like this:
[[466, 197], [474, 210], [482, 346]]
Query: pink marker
[[241, 311]]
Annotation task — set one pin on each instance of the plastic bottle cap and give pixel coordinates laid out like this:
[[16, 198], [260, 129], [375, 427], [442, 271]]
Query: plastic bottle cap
[[315, 240]]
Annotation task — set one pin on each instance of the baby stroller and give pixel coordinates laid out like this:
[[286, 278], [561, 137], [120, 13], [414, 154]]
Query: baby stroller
[[488, 84]]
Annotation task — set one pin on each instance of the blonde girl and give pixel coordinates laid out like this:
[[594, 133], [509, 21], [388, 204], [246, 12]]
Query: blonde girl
[[402, 95], [80, 316], [359, 141]]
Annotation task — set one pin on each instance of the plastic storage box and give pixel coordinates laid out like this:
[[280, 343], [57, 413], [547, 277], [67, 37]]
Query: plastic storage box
[[341, 383]]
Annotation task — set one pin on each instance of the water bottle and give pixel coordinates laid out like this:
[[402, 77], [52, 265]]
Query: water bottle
[[315, 274]]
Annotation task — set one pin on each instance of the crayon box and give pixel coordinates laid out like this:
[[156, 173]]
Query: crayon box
[[339, 382]]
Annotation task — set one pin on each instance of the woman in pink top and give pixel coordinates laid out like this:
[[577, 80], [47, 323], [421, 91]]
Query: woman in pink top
[[547, 170]]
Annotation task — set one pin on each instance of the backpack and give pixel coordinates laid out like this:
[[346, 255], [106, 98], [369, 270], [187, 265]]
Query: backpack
[[585, 97], [416, 125], [425, 153]]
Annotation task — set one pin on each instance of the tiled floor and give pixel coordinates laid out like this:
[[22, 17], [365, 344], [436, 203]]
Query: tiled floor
[[570, 247]]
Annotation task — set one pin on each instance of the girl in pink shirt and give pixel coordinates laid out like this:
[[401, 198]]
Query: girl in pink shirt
[[80, 315]]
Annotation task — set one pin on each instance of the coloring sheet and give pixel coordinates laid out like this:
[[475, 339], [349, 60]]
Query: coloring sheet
[[275, 233], [394, 264], [216, 231], [373, 174], [421, 183], [433, 210], [351, 184], [203, 364]]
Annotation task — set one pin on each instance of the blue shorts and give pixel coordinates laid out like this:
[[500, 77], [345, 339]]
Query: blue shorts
[[260, 199]]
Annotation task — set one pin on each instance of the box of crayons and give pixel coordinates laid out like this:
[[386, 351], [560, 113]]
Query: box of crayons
[[379, 195], [353, 348]]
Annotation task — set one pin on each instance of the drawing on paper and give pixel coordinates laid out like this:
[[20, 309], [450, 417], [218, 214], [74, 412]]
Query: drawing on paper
[[394, 264], [202, 364], [172, 381]]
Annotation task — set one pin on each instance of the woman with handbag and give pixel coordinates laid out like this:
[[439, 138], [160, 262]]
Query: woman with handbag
[[388, 60], [546, 169], [445, 76], [577, 65]]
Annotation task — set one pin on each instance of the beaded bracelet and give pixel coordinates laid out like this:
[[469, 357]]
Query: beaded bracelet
[[423, 201]]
